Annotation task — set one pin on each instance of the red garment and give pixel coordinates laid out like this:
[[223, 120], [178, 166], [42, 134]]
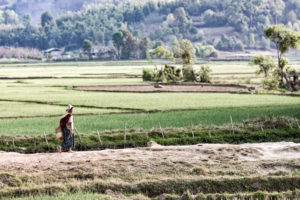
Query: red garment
[[63, 121]]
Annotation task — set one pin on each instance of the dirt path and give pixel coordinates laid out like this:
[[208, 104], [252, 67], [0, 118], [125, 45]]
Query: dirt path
[[209, 152], [166, 88]]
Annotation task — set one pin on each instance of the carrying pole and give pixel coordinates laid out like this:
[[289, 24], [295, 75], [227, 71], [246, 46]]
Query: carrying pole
[[46, 139], [99, 138], [77, 134]]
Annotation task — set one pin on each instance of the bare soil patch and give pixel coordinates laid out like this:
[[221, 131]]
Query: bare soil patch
[[167, 88]]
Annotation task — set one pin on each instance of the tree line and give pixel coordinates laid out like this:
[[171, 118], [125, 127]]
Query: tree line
[[174, 21]]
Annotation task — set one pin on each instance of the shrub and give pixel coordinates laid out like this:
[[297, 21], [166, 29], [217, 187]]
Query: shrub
[[206, 51], [260, 195], [229, 44], [214, 54], [147, 75], [166, 74], [270, 83], [205, 76], [189, 74]]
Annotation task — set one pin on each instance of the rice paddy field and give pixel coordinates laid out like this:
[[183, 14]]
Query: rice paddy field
[[33, 96]]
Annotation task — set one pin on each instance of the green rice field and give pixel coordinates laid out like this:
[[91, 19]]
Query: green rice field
[[34, 95]]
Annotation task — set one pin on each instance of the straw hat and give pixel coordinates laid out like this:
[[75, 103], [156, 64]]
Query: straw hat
[[69, 107]]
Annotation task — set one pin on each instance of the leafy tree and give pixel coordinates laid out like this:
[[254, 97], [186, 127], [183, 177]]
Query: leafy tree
[[283, 39], [292, 5], [292, 17], [1, 17], [186, 53], [208, 16], [26, 19], [158, 44], [10, 17], [145, 45], [265, 64], [130, 47], [161, 52], [276, 9], [138, 14], [207, 51], [181, 19], [118, 42], [229, 44], [87, 48], [98, 24], [46, 18]]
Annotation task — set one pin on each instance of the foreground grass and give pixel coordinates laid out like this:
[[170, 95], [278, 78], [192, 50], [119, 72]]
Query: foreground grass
[[77, 196], [187, 195], [91, 124]]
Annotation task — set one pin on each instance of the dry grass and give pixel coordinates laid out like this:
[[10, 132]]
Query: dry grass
[[151, 171]]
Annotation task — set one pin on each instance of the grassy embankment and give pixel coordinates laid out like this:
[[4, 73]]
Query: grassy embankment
[[260, 130], [118, 196]]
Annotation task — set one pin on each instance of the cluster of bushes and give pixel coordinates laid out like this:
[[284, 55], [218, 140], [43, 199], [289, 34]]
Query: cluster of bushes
[[172, 74], [229, 44], [280, 74], [165, 74], [207, 51], [129, 47]]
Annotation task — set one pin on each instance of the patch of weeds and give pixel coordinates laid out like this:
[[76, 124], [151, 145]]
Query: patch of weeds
[[199, 171], [260, 195], [10, 180], [296, 172], [279, 173], [187, 196]]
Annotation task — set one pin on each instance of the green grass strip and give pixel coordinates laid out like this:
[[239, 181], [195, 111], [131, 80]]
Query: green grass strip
[[90, 124]]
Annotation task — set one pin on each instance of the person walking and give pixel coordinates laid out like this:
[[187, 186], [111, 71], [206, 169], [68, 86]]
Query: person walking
[[67, 127]]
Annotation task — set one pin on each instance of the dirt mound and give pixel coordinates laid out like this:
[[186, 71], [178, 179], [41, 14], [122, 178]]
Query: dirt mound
[[167, 88], [209, 152]]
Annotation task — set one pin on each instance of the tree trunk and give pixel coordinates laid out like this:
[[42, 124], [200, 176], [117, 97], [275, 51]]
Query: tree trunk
[[281, 74], [287, 84]]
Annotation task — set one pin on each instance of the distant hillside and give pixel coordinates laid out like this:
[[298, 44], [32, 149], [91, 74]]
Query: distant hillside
[[56, 7], [225, 25]]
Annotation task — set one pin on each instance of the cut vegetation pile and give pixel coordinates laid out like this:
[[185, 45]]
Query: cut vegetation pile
[[200, 170]]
